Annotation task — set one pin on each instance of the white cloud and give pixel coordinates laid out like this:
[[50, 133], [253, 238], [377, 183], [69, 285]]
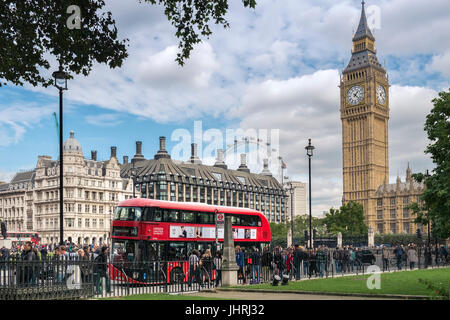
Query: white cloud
[[6, 176], [308, 107], [162, 71], [407, 138], [16, 118], [104, 120], [441, 63], [274, 68]]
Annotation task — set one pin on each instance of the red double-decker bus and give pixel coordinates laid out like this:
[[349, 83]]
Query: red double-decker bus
[[146, 231], [20, 237]]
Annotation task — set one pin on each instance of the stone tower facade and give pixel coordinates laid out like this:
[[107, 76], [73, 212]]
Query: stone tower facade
[[364, 114]]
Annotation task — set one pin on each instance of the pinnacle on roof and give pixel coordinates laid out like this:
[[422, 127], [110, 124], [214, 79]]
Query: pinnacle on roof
[[363, 27]]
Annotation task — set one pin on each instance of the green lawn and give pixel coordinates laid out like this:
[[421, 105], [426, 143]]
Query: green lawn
[[402, 283], [159, 296]]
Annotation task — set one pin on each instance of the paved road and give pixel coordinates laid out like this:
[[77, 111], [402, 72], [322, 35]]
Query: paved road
[[273, 296]]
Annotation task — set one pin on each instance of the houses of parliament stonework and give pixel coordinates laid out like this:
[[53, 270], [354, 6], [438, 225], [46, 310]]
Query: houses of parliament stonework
[[365, 146]]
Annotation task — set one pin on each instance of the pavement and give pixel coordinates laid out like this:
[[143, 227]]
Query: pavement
[[239, 295]]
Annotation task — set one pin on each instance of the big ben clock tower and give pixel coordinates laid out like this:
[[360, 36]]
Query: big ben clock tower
[[364, 113]]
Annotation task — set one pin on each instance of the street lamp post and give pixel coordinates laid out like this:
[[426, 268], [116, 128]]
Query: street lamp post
[[309, 152], [292, 211], [61, 83], [428, 251]]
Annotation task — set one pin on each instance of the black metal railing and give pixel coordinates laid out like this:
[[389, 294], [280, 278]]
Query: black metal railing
[[72, 278]]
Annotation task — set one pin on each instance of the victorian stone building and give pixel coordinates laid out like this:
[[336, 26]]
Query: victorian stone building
[[365, 114], [392, 201], [92, 189], [166, 179], [16, 201]]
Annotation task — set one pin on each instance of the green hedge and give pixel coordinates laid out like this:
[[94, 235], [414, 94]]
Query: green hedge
[[395, 239]]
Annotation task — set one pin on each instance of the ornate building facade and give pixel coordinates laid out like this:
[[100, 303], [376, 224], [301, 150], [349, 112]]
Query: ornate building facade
[[92, 189], [364, 112], [165, 179]]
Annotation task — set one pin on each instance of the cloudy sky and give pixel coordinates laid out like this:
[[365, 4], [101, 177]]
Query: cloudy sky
[[276, 69]]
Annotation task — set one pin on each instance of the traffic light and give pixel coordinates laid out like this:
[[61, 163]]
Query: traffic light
[[306, 235], [314, 233], [419, 233]]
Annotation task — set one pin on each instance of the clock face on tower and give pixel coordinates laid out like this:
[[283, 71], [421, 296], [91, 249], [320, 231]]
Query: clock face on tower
[[355, 95], [381, 95]]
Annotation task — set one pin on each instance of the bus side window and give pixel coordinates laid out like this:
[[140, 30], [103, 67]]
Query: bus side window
[[147, 214], [187, 217], [157, 215], [171, 216], [205, 218]]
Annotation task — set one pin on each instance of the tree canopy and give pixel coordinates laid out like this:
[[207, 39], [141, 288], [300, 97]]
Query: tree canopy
[[33, 32], [348, 219], [435, 200]]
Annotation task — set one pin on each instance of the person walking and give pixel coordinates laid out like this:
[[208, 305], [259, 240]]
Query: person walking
[[240, 261], [321, 261], [346, 260], [386, 256], [266, 262], [44, 253], [194, 268], [256, 265], [26, 270], [336, 259], [444, 254], [398, 251], [218, 267], [4, 229], [297, 261], [359, 259], [206, 262], [404, 257], [101, 271], [5, 257], [352, 256], [412, 256], [85, 270]]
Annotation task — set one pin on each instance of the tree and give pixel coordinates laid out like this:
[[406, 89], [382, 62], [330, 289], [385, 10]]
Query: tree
[[301, 223], [34, 31], [349, 220], [435, 200], [278, 231]]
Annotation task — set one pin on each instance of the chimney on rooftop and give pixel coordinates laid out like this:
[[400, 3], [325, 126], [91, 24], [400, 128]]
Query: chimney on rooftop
[[138, 156], [113, 152], [194, 157], [243, 167], [162, 152], [219, 160], [266, 171]]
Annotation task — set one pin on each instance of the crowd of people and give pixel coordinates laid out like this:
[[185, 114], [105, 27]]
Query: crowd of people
[[295, 261], [53, 257], [410, 254]]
